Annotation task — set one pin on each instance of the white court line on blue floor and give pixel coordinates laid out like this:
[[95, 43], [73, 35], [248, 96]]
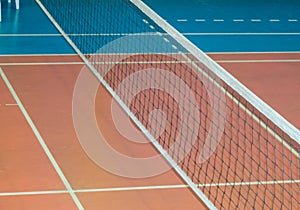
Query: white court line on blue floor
[[293, 20], [274, 20], [240, 33], [200, 20], [155, 34], [218, 20], [255, 20], [238, 20], [182, 20]]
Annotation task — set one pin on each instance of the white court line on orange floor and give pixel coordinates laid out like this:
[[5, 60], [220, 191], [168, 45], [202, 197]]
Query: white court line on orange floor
[[154, 187], [153, 62], [41, 141], [11, 105]]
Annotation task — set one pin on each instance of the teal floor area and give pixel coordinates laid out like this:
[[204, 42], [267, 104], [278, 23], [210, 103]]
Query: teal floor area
[[214, 26], [29, 31]]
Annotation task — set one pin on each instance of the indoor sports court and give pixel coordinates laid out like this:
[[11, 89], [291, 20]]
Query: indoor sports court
[[149, 104]]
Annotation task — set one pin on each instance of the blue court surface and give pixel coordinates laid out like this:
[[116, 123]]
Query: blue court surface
[[214, 26]]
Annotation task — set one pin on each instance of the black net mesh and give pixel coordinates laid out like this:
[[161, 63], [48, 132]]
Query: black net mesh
[[232, 152]]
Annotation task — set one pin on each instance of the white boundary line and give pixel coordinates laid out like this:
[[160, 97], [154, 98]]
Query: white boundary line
[[46, 192], [154, 34], [241, 33], [28, 35], [42, 63], [11, 105], [208, 53], [251, 53], [153, 187], [41, 141], [143, 62], [36, 55], [260, 61]]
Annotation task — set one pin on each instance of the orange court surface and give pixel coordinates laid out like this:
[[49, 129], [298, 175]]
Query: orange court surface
[[43, 165]]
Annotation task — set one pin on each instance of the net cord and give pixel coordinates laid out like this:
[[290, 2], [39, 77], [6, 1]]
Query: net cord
[[160, 149]]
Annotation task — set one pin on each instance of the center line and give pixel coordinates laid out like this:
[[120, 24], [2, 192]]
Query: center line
[[238, 20], [182, 20], [274, 20], [218, 20]]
